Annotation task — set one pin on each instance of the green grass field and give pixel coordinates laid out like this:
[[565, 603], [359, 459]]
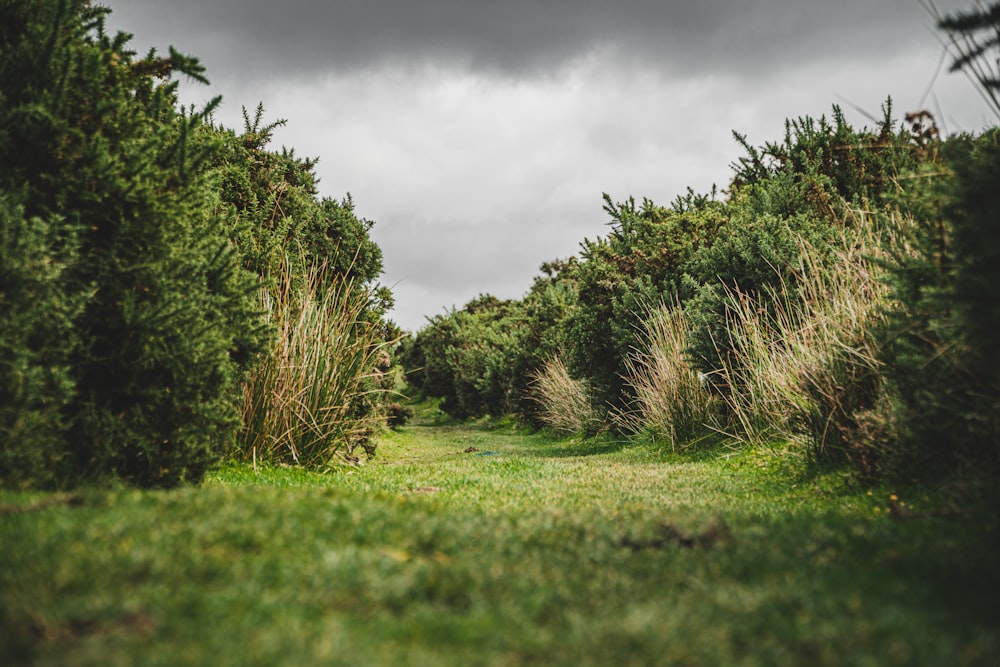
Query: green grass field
[[476, 545]]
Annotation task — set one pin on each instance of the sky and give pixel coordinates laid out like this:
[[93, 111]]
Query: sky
[[481, 135]]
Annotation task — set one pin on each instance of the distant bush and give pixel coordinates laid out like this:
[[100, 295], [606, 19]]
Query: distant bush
[[469, 358]]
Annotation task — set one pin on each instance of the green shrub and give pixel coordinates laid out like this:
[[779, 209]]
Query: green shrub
[[281, 223], [155, 322], [36, 339], [939, 343], [804, 187], [641, 261]]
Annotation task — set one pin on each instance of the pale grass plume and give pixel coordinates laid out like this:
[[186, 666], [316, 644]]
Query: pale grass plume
[[671, 401], [802, 371], [565, 403], [305, 404]]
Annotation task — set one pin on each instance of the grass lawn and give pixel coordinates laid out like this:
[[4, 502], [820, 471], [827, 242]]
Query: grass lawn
[[487, 546]]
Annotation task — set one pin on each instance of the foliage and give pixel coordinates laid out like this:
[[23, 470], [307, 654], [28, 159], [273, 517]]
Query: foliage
[[640, 263], [466, 358], [154, 323], [802, 189], [700, 251], [480, 359], [281, 223], [36, 339], [940, 351], [135, 239], [322, 268]]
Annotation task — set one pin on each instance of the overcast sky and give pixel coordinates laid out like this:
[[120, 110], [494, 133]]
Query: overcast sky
[[479, 135]]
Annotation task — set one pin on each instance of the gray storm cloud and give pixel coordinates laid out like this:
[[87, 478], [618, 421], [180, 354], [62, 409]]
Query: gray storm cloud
[[298, 38]]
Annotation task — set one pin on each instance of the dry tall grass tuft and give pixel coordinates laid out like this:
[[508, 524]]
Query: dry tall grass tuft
[[566, 403], [305, 404], [671, 402], [803, 371]]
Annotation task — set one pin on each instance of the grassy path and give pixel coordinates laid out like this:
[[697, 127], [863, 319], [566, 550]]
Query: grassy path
[[474, 546]]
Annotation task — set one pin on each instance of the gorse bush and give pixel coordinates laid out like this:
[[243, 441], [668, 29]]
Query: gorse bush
[[672, 401], [803, 188], [36, 340], [480, 359], [280, 222], [134, 240], [643, 258], [315, 394], [154, 322], [939, 346]]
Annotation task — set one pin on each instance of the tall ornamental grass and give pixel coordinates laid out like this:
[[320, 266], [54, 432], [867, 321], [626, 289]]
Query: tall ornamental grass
[[672, 402], [804, 369], [311, 399], [565, 403]]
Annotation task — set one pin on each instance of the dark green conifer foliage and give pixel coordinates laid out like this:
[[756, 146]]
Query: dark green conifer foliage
[[940, 350], [36, 340], [156, 320]]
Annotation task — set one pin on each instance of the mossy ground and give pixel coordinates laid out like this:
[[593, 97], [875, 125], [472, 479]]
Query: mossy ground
[[486, 545]]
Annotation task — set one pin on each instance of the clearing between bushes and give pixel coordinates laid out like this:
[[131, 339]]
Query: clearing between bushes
[[485, 545]]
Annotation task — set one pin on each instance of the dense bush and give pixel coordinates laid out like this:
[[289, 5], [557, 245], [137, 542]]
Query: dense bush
[[639, 264], [480, 359], [281, 223], [939, 344], [135, 240], [36, 340], [468, 358], [804, 188], [155, 323]]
